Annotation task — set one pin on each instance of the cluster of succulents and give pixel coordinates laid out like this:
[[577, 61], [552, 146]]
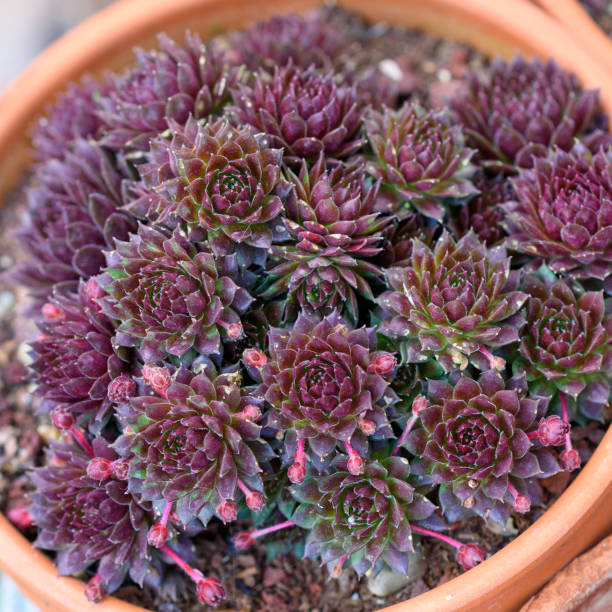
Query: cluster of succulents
[[263, 298]]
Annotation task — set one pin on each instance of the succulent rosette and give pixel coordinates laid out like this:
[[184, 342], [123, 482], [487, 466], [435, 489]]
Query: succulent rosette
[[87, 520], [421, 158], [334, 231], [194, 446], [562, 214], [521, 109], [216, 178], [167, 86], [474, 444], [452, 301], [321, 383], [364, 517], [567, 344], [302, 111], [170, 298], [74, 359], [74, 214]]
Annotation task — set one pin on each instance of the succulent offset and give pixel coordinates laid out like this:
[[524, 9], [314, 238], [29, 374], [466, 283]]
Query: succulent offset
[[269, 292]]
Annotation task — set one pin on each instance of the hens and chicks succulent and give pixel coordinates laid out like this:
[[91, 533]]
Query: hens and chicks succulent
[[262, 297]]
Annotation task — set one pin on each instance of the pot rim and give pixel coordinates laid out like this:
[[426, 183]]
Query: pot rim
[[509, 27]]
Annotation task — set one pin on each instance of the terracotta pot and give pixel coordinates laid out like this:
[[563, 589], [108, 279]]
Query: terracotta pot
[[582, 28], [581, 516]]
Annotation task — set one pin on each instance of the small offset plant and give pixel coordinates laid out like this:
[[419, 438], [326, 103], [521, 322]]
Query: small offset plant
[[267, 296]]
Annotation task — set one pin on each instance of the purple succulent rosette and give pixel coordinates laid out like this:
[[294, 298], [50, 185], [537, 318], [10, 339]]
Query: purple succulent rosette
[[521, 109], [334, 232], [88, 520], [320, 386], [567, 345], [302, 111], [562, 214], [167, 86], [193, 446], [452, 301], [75, 360], [421, 158], [363, 518], [214, 178], [474, 444], [169, 298]]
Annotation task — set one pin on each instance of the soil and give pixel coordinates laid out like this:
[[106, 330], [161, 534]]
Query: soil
[[425, 67], [601, 11]]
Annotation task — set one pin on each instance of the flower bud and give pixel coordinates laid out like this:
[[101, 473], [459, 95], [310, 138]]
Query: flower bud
[[297, 472], [552, 430], [355, 464], [470, 555], [210, 591], [254, 357], [62, 418], [20, 517], [234, 331], [227, 511], [51, 312], [367, 426], [255, 501], [157, 377], [94, 591], [419, 403], [382, 363], [570, 459], [522, 503], [157, 536], [99, 468], [251, 412], [93, 292], [121, 389], [121, 469], [243, 540]]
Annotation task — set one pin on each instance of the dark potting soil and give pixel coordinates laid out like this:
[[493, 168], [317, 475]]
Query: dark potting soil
[[424, 67], [601, 12]]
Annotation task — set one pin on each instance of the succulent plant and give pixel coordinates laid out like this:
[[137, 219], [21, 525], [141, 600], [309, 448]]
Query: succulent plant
[[216, 178], [567, 344], [333, 231], [74, 360], [88, 520], [170, 298], [562, 214], [474, 443], [302, 111], [167, 86], [364, 518], [321, 384], [73, 215], [520, 109], [421, 159], [194, 446], [452, 301]]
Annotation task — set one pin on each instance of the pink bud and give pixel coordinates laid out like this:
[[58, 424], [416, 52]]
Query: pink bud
[[121, 469], [62, 418], [522, 503], [255, 501], [367, 426], [355, 464], [93, 292], [251, 412], [243, 540], [94, 591], [234, 330], [297, 472], [254, 357], [210, 591], [99, 468], [51, 312], [157, 377], [157, 536], [552, 430], [121, 389], [419, 403], [382, 363], [470, 555], [227, 511], [570, 459], [20, 517]]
